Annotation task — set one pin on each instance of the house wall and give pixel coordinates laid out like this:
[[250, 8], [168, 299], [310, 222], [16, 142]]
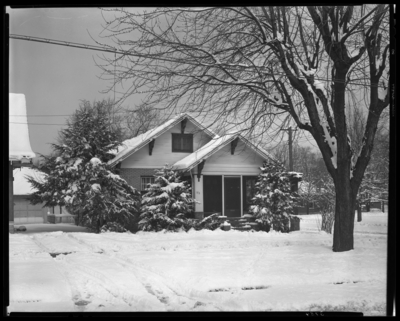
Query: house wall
[[162, 152], [26, 213], [132, 175], [243, 162]]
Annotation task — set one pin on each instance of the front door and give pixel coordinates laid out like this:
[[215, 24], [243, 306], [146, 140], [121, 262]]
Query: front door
[[232, 196], [212, 188]]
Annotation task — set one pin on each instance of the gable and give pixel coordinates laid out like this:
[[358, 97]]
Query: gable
[[131, 146], [162, 153], [228, 143], [245, 160]]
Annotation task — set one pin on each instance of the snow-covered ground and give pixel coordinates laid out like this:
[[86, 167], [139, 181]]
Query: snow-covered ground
[[199, 271]]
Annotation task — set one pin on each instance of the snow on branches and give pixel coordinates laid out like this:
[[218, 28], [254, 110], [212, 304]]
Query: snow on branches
[[166, 203], [79, 178], [274, 199]]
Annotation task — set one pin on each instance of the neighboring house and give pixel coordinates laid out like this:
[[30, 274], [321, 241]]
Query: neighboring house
[[306, 205], [24, 211], [222, 170], [20, 153]]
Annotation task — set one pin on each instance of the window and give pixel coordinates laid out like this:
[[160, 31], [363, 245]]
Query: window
[[145, 181], [182, 143]]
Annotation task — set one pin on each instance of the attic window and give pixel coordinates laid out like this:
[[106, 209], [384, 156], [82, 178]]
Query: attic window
[[182, 143]]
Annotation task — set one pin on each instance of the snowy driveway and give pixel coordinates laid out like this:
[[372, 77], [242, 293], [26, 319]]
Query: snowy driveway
[[200, 271]]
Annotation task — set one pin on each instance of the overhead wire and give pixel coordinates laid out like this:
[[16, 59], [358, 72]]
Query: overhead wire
[[115, 51]]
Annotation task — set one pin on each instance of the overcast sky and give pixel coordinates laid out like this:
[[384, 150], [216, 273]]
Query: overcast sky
[[54, 78]]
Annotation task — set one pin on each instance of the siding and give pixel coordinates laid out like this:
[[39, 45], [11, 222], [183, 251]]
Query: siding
[[245, 161], [26, 213], [162, 152], [132, 175]]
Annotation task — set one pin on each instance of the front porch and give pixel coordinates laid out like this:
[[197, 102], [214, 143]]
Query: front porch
[[229, 195]]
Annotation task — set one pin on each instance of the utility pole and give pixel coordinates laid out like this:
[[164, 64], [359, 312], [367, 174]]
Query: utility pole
[[290, 143]]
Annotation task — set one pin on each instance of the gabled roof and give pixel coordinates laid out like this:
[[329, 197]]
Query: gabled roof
[[130, 146], [214, 146], [19, 143]]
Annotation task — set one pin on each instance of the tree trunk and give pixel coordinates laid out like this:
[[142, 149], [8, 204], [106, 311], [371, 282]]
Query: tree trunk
[[343, 234], [359, 215]]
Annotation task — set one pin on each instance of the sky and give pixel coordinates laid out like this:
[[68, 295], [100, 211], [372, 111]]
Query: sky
[[53, 78]]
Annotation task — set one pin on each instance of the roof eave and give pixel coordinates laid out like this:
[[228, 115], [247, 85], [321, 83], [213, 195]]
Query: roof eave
[[210, 153]]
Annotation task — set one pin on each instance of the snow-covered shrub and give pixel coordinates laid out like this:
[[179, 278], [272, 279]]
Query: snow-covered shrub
[[166, 203], [211, 222], [274, 200], [78, 176], [113, 227]]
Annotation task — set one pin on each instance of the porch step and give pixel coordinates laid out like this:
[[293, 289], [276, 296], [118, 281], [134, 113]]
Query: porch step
[[244, 223]]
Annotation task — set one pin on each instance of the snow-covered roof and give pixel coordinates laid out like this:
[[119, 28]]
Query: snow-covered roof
[[212, 147], [21, 184], [19, 143], [132, 145], [305, 187]]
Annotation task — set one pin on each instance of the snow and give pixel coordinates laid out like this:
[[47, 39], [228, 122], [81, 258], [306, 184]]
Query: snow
[[96, 187], [279, 37], [21, 185], [77, 162], [331, 140], [199, 270], [296, 174], [95, 161], [172, 186], [319, 85], [383, 87], [19, 143]]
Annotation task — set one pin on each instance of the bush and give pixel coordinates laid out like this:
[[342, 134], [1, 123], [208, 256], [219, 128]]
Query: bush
[[167, 203], [274, 198], [112, 227], [211, 222]]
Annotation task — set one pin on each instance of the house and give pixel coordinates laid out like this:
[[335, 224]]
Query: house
[[20, 153], [24, 211], [222, 170], [309, 206]]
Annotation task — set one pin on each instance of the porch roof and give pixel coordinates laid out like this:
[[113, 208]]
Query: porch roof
[[132, 145], [216, 144]]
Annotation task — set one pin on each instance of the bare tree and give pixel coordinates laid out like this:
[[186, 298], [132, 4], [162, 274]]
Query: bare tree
[[281, 153], [140, 120], [259, 68]]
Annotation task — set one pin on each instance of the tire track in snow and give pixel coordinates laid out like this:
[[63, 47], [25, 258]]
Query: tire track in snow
[[81, 292], [167, 296], [126, 293], [169, 293]]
